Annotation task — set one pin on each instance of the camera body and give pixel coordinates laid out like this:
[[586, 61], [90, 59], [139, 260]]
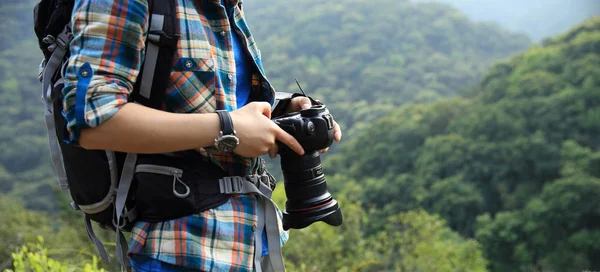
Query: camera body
[[308, 200], [313, 128]]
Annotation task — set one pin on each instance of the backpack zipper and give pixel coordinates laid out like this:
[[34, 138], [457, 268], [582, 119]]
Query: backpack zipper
[[169, 171]]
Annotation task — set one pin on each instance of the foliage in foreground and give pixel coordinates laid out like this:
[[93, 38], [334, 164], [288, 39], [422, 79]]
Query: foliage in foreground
[[34, 258], [411, 241], [35, 237]]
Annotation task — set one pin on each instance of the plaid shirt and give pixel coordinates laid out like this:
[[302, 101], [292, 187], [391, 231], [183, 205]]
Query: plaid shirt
[[110, 37]]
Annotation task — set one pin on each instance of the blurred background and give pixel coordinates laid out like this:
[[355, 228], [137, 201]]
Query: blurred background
[[471, 135]]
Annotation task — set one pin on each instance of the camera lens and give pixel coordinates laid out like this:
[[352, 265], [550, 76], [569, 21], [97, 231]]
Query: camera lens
[[308, 200]]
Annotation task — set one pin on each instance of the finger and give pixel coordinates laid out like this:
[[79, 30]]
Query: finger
[[265, 108], [273, 151], [337, 132], [288, 140], [324, 150], [299, 103]]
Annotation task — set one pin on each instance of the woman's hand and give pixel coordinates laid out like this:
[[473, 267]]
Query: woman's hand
[[257, 133], [301, 103]]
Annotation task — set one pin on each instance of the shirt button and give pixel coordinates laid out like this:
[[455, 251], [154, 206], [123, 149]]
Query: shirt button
[[85, 73], [188, 64], [230, 76], [223, 33]]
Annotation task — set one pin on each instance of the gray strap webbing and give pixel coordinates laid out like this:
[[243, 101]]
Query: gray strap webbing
[[273, 239], [90, 230], [55, 151], [54, 64], [109, 198], [122, 191], [156, 24], [260, 225], [123, 247], [49, 71], [267, 218]]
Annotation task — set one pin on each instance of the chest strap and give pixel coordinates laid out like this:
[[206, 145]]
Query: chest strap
[[267, 218]]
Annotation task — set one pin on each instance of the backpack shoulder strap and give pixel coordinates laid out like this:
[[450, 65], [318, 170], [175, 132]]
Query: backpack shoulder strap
[[161, 45], [149, 90]]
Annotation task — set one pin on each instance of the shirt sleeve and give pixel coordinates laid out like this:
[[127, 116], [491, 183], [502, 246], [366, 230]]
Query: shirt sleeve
[[106, 55]]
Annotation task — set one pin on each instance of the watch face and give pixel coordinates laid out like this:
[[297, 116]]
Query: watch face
[[227, 143]]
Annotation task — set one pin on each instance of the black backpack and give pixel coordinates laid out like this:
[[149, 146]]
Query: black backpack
[[93, 176], [102, 183]]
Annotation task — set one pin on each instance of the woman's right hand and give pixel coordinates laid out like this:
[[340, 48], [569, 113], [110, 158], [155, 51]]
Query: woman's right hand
[[257, 133]]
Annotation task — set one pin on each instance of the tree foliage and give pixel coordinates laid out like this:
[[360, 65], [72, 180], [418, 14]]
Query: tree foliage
[[506, 172], [34, 241], [35, 258], [410, 241], [358, 53], [513, 164]]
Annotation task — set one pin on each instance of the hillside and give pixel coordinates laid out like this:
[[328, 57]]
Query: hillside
[[25, 168], [363, 57], [502, 177], [514, 165], [432, 52]]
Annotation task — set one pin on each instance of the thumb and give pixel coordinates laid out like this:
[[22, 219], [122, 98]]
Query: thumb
[[300, 103], [305, 103]]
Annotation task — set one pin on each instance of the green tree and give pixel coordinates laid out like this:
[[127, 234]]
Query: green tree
[[64, 239], [35, 258], [417, 241], [513, 164]]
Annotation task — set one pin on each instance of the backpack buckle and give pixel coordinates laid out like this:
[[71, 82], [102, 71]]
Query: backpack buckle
[[64, 38], [231, 185]]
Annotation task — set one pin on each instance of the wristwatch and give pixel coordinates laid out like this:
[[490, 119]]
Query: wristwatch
[[227, 141]]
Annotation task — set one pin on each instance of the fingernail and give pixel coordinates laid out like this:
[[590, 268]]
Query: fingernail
[[306, 106]]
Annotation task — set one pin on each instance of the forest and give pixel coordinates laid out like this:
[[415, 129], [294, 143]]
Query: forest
[[467, 146]]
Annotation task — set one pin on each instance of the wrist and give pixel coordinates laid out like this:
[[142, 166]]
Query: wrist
[[227, 141]]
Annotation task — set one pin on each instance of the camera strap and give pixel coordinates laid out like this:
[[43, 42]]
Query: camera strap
[[267, 218], [283, 99]]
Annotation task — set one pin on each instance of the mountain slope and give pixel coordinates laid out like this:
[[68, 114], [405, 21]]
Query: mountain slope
[[359, 66], [515, 165], [362, 57]]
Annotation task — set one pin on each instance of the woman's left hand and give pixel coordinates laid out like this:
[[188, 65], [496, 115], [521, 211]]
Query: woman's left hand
[[301, 103]]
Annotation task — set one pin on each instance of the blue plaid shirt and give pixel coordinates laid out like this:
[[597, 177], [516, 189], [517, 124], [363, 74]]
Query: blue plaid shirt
[[109, 35]]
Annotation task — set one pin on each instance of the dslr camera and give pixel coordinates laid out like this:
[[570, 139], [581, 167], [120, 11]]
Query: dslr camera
[[308, 200]]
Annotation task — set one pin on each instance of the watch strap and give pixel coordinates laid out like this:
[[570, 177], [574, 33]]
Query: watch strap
[[226, 122]]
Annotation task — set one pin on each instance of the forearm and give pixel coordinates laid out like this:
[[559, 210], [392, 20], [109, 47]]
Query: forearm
[[138, 129]]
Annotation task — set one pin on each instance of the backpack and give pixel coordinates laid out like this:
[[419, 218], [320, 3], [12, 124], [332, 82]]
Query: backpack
[[104, 184], [100, 182]]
